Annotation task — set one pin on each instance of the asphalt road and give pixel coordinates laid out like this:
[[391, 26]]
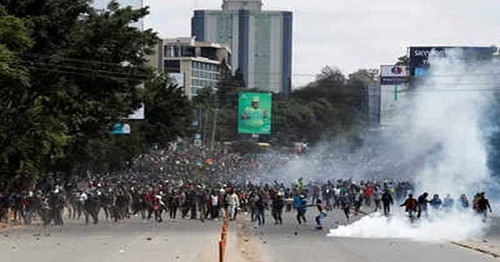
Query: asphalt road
[[133, 240], [278, 243], [190, 241]]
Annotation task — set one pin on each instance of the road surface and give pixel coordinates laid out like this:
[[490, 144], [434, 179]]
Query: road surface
[[278, 243], [183, 240], [192, 241]]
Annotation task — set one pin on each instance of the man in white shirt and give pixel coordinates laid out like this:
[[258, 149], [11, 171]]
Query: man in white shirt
[[233, 202]]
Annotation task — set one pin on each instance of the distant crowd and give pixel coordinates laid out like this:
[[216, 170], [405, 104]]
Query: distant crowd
[[195, 184]]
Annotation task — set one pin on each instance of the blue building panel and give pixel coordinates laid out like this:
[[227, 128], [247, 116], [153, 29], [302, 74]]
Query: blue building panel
[[198, 25], [243, 42], [287, 52]]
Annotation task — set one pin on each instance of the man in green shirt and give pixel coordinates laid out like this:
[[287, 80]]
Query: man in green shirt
[[253, 116]]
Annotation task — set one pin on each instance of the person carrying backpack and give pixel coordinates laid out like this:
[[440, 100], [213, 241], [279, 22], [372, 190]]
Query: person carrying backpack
[[411, 207]]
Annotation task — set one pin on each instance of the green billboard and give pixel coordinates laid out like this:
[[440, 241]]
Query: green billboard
[[254, 113]]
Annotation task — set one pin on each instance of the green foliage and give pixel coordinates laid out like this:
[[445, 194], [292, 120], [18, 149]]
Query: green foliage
[[403, 61], [206, 98], [332, 105], [228, 87], [67, 73], [169, 112]]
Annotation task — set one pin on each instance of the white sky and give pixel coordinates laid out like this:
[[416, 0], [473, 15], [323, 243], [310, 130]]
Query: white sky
[[353, 34]]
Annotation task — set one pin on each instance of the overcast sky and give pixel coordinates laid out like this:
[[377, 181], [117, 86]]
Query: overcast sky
[[353, 34]]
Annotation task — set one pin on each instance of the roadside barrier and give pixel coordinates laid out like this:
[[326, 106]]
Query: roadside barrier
[[223, 238]]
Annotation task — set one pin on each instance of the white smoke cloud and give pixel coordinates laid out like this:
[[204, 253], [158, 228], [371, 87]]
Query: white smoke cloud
[[441, 137], [446, 113], [455, 226]]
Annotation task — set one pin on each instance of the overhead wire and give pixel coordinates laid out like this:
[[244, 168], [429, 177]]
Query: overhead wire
[[88, 61], [76, 73], [134, 76], [67, 67]]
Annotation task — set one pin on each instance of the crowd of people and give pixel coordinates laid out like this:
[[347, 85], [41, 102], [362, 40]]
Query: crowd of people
[[114, 198], [419, 207], [193, 184]]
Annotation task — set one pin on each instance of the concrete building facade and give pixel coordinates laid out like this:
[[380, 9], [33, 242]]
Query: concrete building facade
[[261, 41], [199, 62]]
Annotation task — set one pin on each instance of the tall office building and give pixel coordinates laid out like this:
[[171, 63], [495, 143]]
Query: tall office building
[[261, 41]]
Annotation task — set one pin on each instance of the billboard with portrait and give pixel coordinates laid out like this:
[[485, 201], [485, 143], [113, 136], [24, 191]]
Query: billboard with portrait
[[254, 113]]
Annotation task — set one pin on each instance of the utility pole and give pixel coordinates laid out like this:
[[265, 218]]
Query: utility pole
[[205, 126], [214, 129], [395, 92]]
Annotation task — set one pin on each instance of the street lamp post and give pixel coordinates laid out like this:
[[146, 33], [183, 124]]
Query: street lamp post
[[214, 130]]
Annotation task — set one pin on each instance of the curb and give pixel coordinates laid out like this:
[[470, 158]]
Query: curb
[[484, 251]]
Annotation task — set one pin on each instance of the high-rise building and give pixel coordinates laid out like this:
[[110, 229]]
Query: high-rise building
[[198, 63], [241, 5], [261, 41]]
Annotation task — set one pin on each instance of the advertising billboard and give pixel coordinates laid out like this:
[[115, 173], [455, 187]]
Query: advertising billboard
[[393, 74], [419, 56], [254, 113], [393, 87]]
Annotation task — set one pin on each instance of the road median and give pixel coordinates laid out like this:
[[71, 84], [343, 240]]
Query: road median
[[485, 247]]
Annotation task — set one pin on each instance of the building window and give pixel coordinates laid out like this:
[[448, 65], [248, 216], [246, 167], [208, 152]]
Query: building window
[[172, 66], [188, 51]]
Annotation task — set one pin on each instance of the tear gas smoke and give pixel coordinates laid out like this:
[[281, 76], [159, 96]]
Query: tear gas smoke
[[441, 143], [449, 226]]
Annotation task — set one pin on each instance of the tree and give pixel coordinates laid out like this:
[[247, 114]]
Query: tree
[[82, 74], [330, 77], [169, 112], [206, 99], [16, 148], [361, 78], [403, 61], [229, 85], [332, 105]]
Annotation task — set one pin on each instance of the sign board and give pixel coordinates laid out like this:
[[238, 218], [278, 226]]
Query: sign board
[[419, 56], [393, 84], [393, 74], [120, 129], [394, 71], [254, 113]]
